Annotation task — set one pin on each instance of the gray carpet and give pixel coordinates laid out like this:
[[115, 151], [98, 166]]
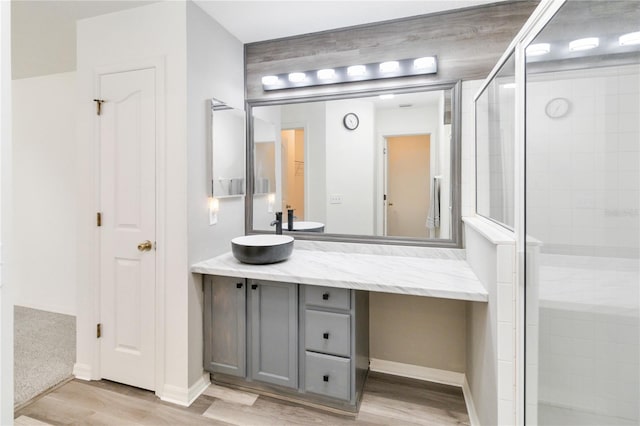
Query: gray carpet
[[44, 351]]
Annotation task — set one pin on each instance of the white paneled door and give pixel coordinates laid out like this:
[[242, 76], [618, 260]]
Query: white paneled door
[[127, 132]]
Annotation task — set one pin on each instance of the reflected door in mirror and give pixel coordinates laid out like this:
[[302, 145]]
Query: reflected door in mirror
[[408, 191]]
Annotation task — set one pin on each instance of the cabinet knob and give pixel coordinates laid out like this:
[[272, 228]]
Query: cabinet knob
[[239, 285], [325, 335], [254, 286], [325, 378], [325, 296]]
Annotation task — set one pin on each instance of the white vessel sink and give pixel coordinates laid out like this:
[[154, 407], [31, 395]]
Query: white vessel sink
[[307, 226], [262, 249]]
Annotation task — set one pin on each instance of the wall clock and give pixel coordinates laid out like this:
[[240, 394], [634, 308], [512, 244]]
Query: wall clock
[[557, 107], [351, 121]]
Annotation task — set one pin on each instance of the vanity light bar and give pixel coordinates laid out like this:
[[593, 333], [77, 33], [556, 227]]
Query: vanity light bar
[[363, 72]]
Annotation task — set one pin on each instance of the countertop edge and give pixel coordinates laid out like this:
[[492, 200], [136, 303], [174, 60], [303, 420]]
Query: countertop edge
[[474, 295]]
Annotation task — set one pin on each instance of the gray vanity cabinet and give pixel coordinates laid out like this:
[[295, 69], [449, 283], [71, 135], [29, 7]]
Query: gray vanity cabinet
[[274, 332], [335, 351], [304, 342], [225, 325]]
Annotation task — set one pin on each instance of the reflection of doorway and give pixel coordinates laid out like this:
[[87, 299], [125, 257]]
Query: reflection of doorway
[[293, 171], [407, 183]]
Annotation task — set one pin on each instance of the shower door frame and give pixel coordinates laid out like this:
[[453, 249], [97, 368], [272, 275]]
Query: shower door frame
[[540, 17]]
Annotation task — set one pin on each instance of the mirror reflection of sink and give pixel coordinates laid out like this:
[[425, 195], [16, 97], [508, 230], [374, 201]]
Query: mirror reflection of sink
[[307, 226], [262, 249]]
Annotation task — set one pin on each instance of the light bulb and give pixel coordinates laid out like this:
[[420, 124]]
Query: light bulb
[[326, 74], [538, 49], [297, 77], [424, 63], [269, 80], [356, 70], [390, 66], [629, 39], [584, 44]]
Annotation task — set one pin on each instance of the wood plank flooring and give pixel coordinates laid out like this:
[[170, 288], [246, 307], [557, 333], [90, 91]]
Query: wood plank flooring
[[388, 400]]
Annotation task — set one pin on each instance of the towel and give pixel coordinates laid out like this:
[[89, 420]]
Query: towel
[[433, 219]]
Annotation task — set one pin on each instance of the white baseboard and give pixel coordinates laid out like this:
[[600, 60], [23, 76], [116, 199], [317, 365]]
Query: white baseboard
[[65, 310], [471, 407], [184, 396], [198, 387], [82, 371], [417, 372]]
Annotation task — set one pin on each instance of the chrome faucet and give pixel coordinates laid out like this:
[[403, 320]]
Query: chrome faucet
[[278, 223]]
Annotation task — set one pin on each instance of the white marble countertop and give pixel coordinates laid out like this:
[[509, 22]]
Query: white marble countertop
[[441, 273]]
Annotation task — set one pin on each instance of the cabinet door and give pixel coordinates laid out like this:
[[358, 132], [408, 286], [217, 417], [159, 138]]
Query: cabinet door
[[225, 325], [274, 332]]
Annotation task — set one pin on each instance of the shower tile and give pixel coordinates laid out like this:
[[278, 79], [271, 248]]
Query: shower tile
[[629, 103], [505, 341], [505, 380], [629, 83], [505, 302], [628, 122]]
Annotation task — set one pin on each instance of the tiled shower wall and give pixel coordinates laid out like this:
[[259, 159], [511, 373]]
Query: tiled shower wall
[[583, 205], [583, 177]]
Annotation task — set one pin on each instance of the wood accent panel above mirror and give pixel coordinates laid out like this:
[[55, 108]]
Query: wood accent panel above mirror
[[467, 42]]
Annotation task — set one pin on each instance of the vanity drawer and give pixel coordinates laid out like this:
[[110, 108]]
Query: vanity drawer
[[328, 297], [327, 375], [328, 332]]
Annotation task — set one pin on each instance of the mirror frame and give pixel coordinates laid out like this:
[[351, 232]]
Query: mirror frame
[[456, 142]]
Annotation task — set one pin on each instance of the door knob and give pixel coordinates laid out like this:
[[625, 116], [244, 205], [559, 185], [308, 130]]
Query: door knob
[[145, 246]]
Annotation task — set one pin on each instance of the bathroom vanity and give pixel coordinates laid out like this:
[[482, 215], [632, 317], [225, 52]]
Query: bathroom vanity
[[300, 328]]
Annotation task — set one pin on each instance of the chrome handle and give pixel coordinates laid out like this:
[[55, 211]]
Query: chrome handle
[[145, 246]]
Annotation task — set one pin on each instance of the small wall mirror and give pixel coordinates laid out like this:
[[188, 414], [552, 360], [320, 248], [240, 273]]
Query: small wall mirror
[[227, 142], [375, 166]]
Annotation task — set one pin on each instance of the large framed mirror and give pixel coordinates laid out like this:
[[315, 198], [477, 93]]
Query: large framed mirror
[[375, 167]]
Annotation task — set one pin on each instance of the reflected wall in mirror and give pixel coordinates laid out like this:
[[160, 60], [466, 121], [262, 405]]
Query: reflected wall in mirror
[[227, 142], [393, 177]]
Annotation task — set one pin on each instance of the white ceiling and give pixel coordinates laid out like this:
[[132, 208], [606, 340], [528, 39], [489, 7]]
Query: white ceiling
[[252, 21], [44, 32]]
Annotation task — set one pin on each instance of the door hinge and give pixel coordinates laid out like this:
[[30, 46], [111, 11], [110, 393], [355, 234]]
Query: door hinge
[[99, 331], [99, 103], [99, 219]]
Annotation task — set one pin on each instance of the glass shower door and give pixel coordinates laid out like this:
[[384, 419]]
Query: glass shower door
[[582, 217]]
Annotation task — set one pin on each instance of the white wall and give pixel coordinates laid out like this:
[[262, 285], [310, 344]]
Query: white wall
[[6, 281], [268, 130], [311, 116], [157, 31], [350, 168], [468, 148], [215, 63], [44, 179]]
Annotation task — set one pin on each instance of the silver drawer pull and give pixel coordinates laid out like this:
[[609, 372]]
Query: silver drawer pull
[[325, 378], [325, 335]]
